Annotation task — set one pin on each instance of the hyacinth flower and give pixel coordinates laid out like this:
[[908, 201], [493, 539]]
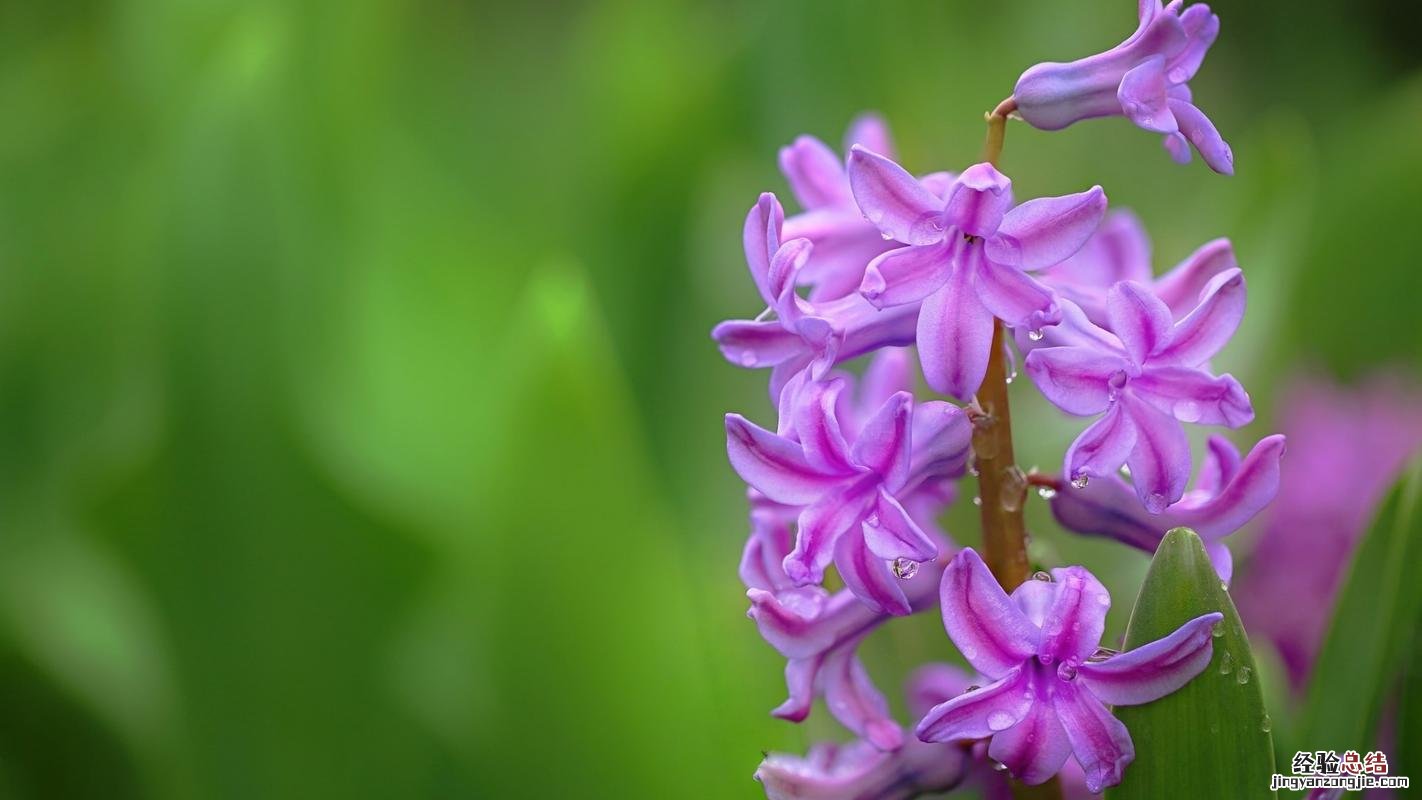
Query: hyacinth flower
[[802, 336], [1228, 492], [1144, 79], [1144, 378], [1121, 251], [851, 488], [1360, 437], [1049, 690], [966, 259], [819, 632], [859, 770]]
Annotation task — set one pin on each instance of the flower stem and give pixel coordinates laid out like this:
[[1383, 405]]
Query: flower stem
[[1002, 486]]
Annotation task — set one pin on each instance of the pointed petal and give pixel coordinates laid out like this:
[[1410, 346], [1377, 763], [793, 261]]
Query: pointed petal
[[1014, 297], [855, 701], [1143, 96], [906, 275], [800, 682], [1209, 326], [1078, 380], [755, 345], [1220, 464], [815, 173], [935, 684], [1182, 287], [868, 577], [977, 200], [1153, 670], [1197, 128], [767, 545], [1201, 29], [1044, 231], [1102, 745], [870, 131], [1103, 447], [817, 427], [775, 466], [1139, 319], [790, 620], [1077, 618], [889, 371], [1222, 560], [1160, 460], [989, 629], [942, 438], [890, 533], [1248, 491], [1035, 748], [884, 445], [1178, 147], [821, 524], [1193, 395], [761, 238], [954, 337], [981, 712], [893, 200]]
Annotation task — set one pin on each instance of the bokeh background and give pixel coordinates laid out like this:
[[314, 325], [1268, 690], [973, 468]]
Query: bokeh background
[[360, 433]]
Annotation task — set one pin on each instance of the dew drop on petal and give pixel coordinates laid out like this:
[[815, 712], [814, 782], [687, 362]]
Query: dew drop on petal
[[1066, 671], [1125, 471], [1188, 411], [1046, 492], [1226, 663], [1041, 575], [886, 236], [1036, 335], [998, 766], [1080, 481], [1266, 724], [905, 568], [1242, 674], [1217, 630], [999, 721], [748, 359]]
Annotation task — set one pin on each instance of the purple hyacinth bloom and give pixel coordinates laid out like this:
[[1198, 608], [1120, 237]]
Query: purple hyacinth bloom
[[819, 633], [1144, 79], [966, 259], [852, 484], [1228, 492], [1048, 695], [1346, 447], [801, 335], [1121, 251], [859, 770], [1144, 378]]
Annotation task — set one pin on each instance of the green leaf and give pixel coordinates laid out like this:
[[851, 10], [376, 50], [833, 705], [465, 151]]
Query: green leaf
[[1212, 737], [1377, 614]]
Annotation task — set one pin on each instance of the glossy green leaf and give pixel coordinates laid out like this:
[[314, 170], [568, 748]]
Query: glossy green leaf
[[1362, 656], [1212, 737]]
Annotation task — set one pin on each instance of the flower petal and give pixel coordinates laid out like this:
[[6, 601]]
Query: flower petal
[[1152, 670], [761, 238], [1036, 747], [1102, 745], [868, 577], [955, 337], [821, 524], [856, 702], [1197, 128], [1183, 286], [884, 443], [1103, 447], [800, 676], [775, 466], [1044, 231], [989, 629], [1201, 29], [1139, 319], [1074, 624], [1143, 96], [815, 173], [1160, 460], [870, 131], [893, 200], [979, 713], [754, 345], [1078, 380], [1222, 560], [1193, 395], [1013, 296], [942, 438], [792, 620], [890, 533], [889, 371], [935, 684], [906, 275], [817, 427], [1219, 466], [1206, 329], [977, 200], [1248, 491], [765, 548]]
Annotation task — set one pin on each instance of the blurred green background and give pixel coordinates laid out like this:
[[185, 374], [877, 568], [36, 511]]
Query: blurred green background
[[360, 433]]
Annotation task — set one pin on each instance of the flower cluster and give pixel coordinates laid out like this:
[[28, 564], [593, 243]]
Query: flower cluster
[[927, 269]]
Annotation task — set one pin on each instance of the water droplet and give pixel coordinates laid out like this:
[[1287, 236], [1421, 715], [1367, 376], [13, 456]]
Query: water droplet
[[1046, 492], [1066, 671], [1036, 335], [1125, 471], [748, 359], [973, 467], [1217, 630], [978, 501], [969, 653], [1080, 481], [1266, 724], [999, 721], [905, 568], [1103, 599], [998, 766], [1242, 674], [972, 688], [1224, 587], [1226, 663], [1188, 411], [886, 236], [1041, 575], [1011, 376], [1103, 653]]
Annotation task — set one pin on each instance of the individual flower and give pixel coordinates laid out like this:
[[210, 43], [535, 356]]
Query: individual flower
[[819, 632], [1143, 78], [844, 242], [860, 770], [851, 485], [802, 336], [1144, 378], [1049, 690], [1228, 492], [1121, 251], [965, 259], [1346, 447]]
